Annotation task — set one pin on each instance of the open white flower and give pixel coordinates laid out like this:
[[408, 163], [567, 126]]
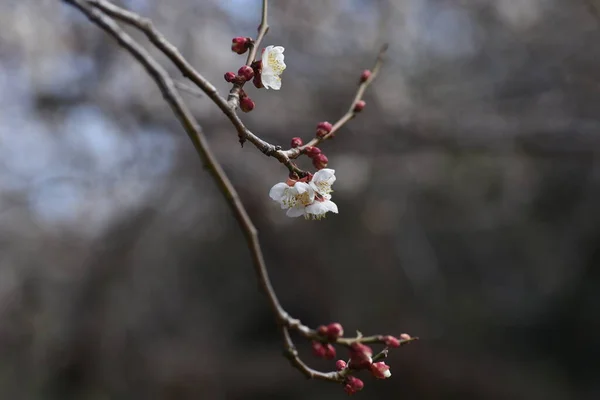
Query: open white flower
[[313, 199], [322, 181], [272, 67], [293, 198]]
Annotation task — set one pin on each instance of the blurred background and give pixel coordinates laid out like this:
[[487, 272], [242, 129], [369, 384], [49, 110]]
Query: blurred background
[[468, 192]]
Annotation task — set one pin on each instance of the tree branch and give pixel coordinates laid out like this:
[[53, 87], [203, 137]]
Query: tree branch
[[100, 13]]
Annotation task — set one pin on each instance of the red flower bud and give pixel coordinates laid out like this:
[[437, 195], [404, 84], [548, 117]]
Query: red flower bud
[[246, 104], [318, 349], [380, 370], [296, 142], [391, 341], [229, 76], [358, 107], [353, 385], [366, 74], [246, 72], [329, 351], [320, 161], [360, 356], [340, 365], [334, 331], [240, 44], [312, 151], [323, 128]]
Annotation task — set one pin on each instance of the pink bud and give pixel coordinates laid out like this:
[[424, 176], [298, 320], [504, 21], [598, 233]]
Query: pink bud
[[246, 72], [323, 128], [240, 44], [366, 74], [334, 331], [296, 142], [318, 349], [312, 151], [380, 370], [405, 336], [360, 356], [246, 104], [353, 385], [320, 161], [340, 365], [229, 76], [391, 341], [358, 107], [329, 351]]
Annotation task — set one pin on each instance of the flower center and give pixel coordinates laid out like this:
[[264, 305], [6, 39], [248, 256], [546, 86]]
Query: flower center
[[323, 187], [275, 64]]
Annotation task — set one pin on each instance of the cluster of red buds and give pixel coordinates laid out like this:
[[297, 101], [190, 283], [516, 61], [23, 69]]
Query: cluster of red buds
[[246, 73], [319, 159], [360, 355]]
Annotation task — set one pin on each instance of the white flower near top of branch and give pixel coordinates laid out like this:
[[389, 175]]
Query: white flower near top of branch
[[311, 199], [272, 67]]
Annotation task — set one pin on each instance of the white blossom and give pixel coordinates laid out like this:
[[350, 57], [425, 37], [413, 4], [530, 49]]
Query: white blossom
[[312, 199], [322, 181], [293, 198], [272, 67]]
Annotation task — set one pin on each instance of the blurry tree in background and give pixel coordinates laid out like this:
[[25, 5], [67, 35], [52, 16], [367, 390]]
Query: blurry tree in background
[[468, 194]]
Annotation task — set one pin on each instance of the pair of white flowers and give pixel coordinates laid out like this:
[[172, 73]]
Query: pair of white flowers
[[311, 199]]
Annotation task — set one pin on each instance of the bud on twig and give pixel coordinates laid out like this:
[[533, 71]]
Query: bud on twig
[[240, 44], [246, 104], [229, 76], [380, 370], [320, 161], [353, 385], [296, 142], [366, 74], [246, 72], [391, 341], [323, 128], [334, 331], [312, 151], [318, 349], [358, 107]]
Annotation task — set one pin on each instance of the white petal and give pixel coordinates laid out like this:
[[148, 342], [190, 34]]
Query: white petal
[[302, 187], [270, 81], [325, 174], [295, 212], [330, 206], [278, 190], [277, 49], [316, 208]]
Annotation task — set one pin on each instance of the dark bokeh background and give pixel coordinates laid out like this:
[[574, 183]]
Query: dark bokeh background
[[468, 194]]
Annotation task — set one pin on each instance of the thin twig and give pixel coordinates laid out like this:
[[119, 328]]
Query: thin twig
[[263, 28], [350, 114], [292, 354]]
